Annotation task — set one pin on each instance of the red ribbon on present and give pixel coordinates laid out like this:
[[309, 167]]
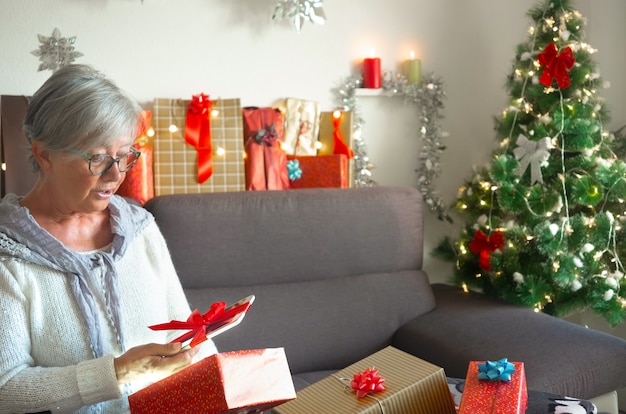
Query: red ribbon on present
[[199, 324], [556, 65], [367, 381], [340, 147], [198, 133], [484, 245]]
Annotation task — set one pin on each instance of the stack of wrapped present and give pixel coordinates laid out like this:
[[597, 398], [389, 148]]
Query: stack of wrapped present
[[214, 145], [303, 146]]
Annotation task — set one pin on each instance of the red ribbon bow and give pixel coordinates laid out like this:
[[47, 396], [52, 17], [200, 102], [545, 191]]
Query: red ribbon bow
[[556, 65], [485, 245], [340, 147], [198, 133], [367, 381], [198, 325], [144, 123]]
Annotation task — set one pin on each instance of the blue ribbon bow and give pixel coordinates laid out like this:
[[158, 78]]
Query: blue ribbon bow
[[293, 170], [500, 370]]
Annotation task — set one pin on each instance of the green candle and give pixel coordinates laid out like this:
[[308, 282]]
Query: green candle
[[413, 70]]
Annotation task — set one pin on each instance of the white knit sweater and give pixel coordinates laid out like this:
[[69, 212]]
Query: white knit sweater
[[46, 362]]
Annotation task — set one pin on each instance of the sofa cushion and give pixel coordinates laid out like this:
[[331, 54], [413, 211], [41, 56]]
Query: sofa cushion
[[324, 324], [571, 360], [254, 237]]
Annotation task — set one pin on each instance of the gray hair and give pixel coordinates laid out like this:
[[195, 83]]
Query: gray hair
[[77, 107]]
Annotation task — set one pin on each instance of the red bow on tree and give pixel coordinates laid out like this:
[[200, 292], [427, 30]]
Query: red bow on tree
[[198, 325], [556, 65], [484, 245]]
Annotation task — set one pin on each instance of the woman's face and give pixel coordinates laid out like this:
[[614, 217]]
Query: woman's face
[[77, 188]]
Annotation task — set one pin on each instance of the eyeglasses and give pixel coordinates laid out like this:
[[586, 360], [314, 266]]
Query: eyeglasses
[[101, 163]]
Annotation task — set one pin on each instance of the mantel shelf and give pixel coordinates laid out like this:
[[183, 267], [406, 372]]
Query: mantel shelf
[[372, 92]]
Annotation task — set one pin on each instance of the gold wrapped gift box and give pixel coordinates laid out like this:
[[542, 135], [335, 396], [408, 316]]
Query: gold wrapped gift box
[[412, 386]]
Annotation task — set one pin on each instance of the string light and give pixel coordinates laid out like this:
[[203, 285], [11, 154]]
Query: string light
[[174, 129]]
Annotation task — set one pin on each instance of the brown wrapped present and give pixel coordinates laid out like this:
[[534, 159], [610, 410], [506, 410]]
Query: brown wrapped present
[[412, 386], [16, 172], [176, 162]]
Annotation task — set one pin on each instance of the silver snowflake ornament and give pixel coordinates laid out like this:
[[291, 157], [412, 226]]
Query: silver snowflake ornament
[[55, 51], [300, 11]]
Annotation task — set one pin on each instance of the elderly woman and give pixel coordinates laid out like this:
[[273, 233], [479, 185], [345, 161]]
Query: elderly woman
[[83, 273]]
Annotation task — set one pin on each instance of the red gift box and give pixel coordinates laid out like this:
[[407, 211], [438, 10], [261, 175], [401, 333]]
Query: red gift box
[[229, 382], [321, 171], [489, 397], [139, 181], [265, 160]]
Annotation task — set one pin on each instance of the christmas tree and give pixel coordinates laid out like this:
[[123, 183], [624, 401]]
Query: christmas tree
[[542, 223]]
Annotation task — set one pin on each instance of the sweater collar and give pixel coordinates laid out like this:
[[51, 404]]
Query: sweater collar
[[22, 237]]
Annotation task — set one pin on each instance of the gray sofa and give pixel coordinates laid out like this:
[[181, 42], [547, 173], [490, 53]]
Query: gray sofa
[[337, 275]]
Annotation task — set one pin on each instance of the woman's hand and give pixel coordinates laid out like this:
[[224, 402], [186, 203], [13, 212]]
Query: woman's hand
[[152, 362]]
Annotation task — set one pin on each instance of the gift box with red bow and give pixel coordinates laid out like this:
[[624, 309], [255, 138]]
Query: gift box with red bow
[[247, 381], [265, 160], [389, 381], [139, 181], [197, 145], [321, 171], [336, 137], [494, 387]]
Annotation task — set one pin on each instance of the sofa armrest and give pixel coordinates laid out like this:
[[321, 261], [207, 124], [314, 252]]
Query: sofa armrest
[[559, 356]]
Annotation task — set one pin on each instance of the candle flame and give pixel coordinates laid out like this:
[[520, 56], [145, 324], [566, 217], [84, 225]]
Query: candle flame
[[337, 114], [372, 52], [412, 54]]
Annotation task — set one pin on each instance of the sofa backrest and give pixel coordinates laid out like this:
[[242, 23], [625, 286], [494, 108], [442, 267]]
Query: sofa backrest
[[335, 271]]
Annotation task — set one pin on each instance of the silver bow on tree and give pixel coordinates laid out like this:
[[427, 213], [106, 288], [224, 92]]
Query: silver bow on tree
[[300, 11], [533, 153]]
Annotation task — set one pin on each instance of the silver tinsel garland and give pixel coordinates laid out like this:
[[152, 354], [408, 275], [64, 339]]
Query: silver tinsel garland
[[428, 99]]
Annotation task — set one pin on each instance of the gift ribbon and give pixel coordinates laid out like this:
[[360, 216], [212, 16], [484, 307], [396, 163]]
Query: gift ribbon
[[339, 146], [139, 181], [293, 170], [500, 370], [556, 65], [268, 134], [367, 381], [199, 324], [532, 153], [198, 133], [484, 245], [348, 388]]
